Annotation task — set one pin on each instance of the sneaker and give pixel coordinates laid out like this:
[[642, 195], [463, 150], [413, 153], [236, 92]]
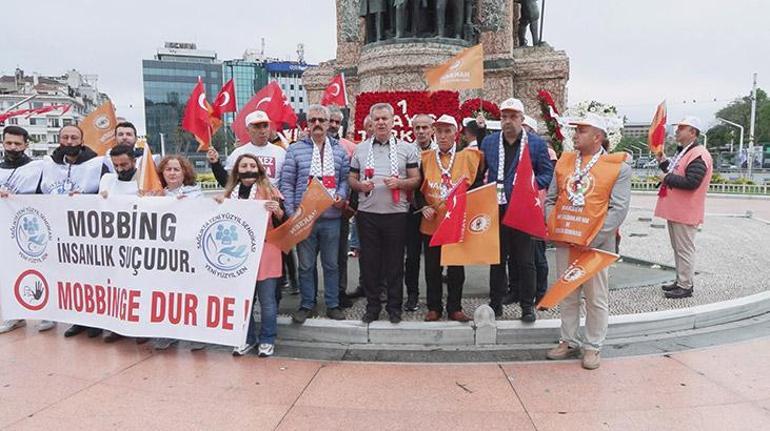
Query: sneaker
[[111, 337], [591, 359], [669, 287], [370, 317], [74, 330], [411, 304], [335, 314], [679, 293], [395, 318], [45, 325], [265, 349], [10, 325], [562, 351], [300, 315], [528, 315], [163, 343], [242, 350]]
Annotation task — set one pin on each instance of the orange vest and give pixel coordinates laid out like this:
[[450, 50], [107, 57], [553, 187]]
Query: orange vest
[[466, 164], [686, 206], [576, 225]]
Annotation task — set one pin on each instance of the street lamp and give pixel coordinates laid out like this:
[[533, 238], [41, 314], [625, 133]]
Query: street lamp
[[740, 140]]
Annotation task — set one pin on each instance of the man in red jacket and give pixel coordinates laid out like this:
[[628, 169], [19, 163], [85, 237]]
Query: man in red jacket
[[681, 200]]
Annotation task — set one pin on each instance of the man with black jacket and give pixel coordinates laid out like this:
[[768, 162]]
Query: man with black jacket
[[681, 201]]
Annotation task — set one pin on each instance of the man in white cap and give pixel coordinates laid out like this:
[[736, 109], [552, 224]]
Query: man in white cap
[[681, 201], [442, 169], [474, 131], [270, 155], [502, 152], [587, 202]]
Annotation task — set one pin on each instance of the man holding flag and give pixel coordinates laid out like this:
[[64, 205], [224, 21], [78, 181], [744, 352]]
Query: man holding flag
[[444, 169], [502, 152], [586, 204]]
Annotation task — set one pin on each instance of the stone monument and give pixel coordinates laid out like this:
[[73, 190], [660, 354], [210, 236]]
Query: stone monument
[[386, 45]]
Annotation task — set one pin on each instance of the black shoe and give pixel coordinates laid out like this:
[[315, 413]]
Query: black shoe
[[510, 298], [300, 315], [669, 287], [411, 304], [528, 315], [395, 318], [335, 314], [112, 337], [679, 293], [74, 330], [345, 301], [498, 309], [93, 332], [370, 317], [358, 293]]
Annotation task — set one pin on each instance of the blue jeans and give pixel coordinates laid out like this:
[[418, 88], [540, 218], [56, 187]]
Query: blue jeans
[[268, 306], [324, 238], [354, 241]]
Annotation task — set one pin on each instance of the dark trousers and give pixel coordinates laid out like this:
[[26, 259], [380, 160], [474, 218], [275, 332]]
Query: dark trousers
[[413, 251], [519, 247], [289, 275], [382, 258], [541, 267], [433, 269], [342, 259]]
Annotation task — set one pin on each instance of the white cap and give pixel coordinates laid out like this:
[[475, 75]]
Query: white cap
[[531, 122], [257, 117], [467, 120], [592, 120], [691, 121], [512, 105], [447, 119]]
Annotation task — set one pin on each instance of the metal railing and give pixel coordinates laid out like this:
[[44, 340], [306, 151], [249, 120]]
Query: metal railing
[[733, 189]]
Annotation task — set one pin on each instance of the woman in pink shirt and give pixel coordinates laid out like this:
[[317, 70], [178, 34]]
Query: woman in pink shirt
[[248, 180]]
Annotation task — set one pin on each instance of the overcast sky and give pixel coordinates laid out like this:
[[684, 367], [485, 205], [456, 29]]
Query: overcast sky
[[630, 53]]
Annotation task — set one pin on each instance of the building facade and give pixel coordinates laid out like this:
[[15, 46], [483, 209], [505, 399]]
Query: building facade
[[168, 81], [289, 76]]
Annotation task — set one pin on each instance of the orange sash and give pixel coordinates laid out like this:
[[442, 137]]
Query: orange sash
[[466, 164], [577, 225]]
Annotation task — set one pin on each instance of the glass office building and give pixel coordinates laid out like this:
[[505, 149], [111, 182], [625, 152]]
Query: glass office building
[[249, 77], [169, 79]]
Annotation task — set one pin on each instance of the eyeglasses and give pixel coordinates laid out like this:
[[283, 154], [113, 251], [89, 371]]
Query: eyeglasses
[[317, 120]]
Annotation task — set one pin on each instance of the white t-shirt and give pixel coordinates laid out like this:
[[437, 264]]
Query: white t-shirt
[[114, 186], [270, 155]]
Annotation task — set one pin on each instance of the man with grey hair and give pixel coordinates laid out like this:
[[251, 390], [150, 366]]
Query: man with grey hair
[[317, 156], [383, 170]]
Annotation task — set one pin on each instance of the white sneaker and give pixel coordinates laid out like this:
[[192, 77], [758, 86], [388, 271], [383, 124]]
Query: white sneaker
[[265, 350], [45, 325], [10, 325], [242, 350]]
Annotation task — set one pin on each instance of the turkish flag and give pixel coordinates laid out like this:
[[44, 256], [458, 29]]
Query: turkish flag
[[525, 210], [335, 93], [584, 264], [656, 137], [273, 102], [197, 115], [452, 227], [225, 100]]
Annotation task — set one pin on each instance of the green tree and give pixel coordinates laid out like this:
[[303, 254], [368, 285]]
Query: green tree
[[739, 111]]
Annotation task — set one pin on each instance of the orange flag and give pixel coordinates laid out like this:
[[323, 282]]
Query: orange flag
[[463, 71], [99, 128], [656, 137], [314, 202], [585, 264], [147, 175], [481, 240]]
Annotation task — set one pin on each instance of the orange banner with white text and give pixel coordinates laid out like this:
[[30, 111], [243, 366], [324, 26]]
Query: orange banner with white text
[[463, 71], [314, 202], [584, 264], [99, 128]]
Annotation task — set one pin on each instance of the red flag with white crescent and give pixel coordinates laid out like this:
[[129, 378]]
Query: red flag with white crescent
[[452, 227], [525, 210], [273, 102], [656, 137], [197, 117], [225, 100], [335, 93]]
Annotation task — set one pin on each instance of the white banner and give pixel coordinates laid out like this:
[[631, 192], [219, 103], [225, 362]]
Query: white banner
[[143, 267]]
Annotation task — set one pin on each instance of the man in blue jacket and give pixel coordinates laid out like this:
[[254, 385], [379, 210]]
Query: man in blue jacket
[[317, 156], [501, 155]]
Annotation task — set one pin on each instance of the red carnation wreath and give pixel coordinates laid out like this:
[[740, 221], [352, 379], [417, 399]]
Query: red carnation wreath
[[550, 115], [406, 104], [471, 107]]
